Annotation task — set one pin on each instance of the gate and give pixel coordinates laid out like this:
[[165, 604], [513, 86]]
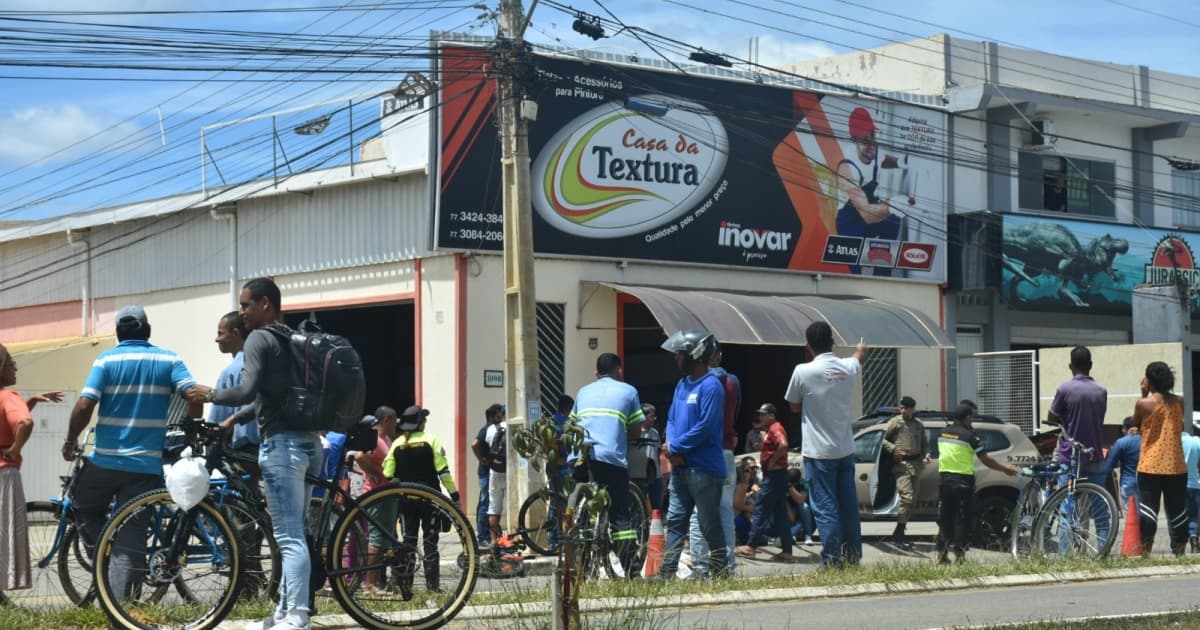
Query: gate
[[1003, 384]]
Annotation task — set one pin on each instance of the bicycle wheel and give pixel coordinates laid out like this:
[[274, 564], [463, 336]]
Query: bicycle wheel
[[46, 590], [1025, 512], [639, 521], [432, 580], [580, 537], [151, 543], [75, 567], [262, 562], [534, 522], [1079, 523]]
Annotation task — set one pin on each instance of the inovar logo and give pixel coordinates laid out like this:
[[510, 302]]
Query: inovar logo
[[614, 171], [733, 235]]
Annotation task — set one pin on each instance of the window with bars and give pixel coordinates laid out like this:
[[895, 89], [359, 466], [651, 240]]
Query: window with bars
[[1186, 188], [880, 379], [551, 335]]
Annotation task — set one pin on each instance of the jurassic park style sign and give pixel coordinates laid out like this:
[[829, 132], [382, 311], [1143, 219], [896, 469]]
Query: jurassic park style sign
[[1090, 267], [629, 162]]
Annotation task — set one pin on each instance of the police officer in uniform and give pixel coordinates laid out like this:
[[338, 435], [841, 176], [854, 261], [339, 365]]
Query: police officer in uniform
[[908, 445], [958, 446]]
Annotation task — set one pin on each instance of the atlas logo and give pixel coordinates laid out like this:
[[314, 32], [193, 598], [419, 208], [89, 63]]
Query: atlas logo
[[615, 172], [733, 235], [1172, 257]]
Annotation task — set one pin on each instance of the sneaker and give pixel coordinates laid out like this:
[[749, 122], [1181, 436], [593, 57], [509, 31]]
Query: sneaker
[[808, 541], [294, 622], [272, 621]]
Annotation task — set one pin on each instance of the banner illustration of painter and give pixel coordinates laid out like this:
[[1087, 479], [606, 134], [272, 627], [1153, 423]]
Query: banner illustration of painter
[[631, 163]]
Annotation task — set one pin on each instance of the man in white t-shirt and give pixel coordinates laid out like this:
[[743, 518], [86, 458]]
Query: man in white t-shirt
[[821, 391]]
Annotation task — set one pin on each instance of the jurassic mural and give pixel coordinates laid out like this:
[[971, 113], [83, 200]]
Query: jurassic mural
[[1090, 267]]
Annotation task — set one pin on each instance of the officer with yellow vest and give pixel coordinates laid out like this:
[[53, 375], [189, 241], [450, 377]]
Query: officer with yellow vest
[[958, 446]]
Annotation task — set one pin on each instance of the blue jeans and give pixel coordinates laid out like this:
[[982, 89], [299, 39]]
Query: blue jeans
[[696, 490], [835, 501], [770, 510], [1193, 511], [1091, 473], [482, 532], [699, 547], [285, 458], [803, 526]]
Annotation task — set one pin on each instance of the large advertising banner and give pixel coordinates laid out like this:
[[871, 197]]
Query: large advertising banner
[[629, 163], [1081, 266]]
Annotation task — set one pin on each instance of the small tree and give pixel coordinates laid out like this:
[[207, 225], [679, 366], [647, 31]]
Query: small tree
[[545, 447]]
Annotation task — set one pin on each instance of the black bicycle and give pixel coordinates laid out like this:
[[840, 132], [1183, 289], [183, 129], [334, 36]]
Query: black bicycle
[[200, 551]]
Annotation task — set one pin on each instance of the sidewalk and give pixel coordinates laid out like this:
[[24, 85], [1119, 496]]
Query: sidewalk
[[876, 550]]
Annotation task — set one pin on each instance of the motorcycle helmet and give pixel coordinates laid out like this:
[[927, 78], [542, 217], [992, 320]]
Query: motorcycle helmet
[[697, 344]]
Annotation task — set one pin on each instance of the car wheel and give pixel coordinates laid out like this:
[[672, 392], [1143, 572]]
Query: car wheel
[[992, 521]]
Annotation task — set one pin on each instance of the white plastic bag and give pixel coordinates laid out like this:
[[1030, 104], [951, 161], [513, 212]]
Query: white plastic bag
[[187, 480]]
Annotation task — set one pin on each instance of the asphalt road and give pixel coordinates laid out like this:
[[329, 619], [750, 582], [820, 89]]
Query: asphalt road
[[957, 608]]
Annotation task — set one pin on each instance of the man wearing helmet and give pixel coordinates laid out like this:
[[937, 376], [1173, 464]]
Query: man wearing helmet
[[820, 391], [863, 213], [694, 438]]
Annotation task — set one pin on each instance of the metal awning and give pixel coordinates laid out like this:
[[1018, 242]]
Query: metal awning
[[780, 320]]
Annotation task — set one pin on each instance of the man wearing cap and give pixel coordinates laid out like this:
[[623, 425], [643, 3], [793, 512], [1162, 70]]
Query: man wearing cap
[[132, 384], [905, 441], [372, 465], [958, 447], [771, 505], [609, 411], [418, 457], [863, 213]]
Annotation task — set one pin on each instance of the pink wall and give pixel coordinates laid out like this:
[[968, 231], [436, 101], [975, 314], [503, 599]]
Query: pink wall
[[44, 321]]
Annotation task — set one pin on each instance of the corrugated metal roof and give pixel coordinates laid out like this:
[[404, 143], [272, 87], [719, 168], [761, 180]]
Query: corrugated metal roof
[[337, 176]]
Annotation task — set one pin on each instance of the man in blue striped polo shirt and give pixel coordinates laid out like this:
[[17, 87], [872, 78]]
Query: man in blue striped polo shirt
[[133, 384], [610, 412]]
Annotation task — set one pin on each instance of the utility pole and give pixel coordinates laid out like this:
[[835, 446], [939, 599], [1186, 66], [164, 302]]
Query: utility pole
[[514, 68]]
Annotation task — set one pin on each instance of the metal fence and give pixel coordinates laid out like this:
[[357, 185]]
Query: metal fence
[[1003, 384]]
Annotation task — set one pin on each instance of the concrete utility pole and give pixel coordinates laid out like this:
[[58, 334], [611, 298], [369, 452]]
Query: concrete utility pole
[[524, 395]]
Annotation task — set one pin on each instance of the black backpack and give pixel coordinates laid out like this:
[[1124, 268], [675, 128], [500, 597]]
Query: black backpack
[[326, 386], [498, 449]]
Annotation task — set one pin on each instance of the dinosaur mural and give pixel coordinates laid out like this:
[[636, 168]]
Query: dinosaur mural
[[1043, 251]]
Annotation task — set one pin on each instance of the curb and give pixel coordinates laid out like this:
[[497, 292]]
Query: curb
[[508, 611]]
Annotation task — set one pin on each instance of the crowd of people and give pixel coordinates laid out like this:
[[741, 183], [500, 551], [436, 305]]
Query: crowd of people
[[720, 507]]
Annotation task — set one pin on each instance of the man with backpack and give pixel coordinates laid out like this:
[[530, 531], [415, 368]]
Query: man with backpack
[[286, 453], [497, 459]]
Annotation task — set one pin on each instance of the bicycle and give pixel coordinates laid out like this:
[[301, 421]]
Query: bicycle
[[1031, 497], [534, 525], [1078, 518], [200, 547], [62, 567]]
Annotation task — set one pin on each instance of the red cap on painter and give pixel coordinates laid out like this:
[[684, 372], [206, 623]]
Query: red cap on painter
[[861, 125]]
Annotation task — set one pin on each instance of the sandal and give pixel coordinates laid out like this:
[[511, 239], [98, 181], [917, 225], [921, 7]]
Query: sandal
[[744, 552]]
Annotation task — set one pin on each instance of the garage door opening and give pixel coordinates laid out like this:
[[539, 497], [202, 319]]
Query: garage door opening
[[383, 336]]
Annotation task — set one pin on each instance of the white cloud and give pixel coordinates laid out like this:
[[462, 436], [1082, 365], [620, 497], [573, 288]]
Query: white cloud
[[774, 52], [63, 132]]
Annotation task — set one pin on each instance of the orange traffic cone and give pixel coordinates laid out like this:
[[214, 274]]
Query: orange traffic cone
[[1131, 544], [656, 546]]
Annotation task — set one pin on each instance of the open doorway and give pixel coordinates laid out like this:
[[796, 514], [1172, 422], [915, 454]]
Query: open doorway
[[384, 338], [764, 371]]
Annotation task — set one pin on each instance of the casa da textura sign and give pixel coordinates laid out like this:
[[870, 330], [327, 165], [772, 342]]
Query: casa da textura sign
[[632, 163]]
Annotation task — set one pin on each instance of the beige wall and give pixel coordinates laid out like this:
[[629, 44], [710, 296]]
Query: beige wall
[[1117, 368]]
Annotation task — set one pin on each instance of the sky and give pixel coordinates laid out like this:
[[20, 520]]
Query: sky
[[75, 139]]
